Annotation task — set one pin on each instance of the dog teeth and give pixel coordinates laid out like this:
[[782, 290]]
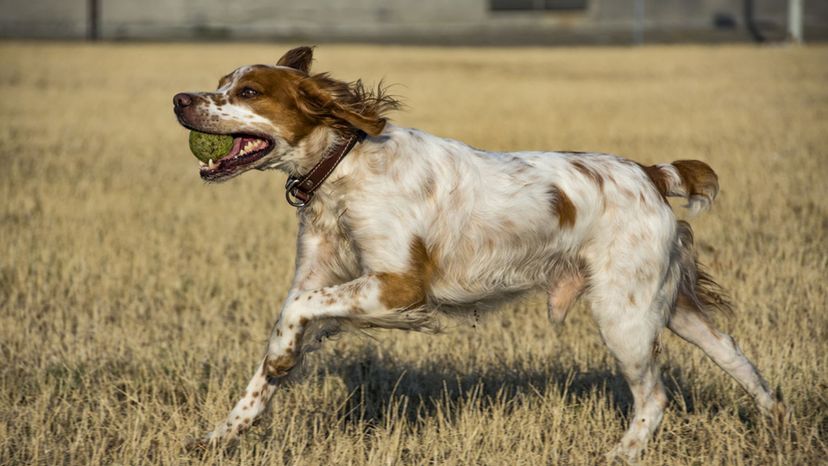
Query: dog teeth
[[211, 164], [252, 146], [202, 163]]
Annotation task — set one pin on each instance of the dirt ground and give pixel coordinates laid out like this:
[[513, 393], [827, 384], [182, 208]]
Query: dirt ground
[[135, 300]]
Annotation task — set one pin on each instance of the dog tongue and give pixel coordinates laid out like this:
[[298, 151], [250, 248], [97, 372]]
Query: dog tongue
[[238, 143]]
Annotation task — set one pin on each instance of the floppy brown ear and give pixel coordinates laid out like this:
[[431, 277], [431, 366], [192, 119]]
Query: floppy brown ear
[[299, 58], [330, 99], [372, 126]]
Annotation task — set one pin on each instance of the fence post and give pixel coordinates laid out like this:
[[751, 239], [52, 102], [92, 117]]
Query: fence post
[[795, 21], [638, 28], [94, 11]]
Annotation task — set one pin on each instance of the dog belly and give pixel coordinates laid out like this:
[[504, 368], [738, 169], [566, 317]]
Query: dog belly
[[489, 281]]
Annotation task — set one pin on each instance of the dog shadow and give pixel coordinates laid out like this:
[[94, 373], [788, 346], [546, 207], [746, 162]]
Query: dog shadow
[[381, 389]]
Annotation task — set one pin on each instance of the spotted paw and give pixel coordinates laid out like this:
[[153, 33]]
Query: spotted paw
[[197, 445]]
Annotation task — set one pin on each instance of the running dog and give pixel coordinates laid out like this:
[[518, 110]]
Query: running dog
[[398, 226]]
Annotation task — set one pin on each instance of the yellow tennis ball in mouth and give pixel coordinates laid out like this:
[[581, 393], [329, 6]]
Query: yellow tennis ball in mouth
[[210, 146]]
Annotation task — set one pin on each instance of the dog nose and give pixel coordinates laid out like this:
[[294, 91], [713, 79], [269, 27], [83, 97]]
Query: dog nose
[[182, 99]]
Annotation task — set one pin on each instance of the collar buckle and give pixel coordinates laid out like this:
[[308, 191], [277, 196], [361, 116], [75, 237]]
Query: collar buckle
[[292, 193], [299, 191]]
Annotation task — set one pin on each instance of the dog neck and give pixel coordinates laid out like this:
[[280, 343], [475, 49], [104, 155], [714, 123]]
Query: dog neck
[[301, 187]]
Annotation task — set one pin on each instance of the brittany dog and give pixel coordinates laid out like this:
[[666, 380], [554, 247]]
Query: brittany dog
[[398, 226]]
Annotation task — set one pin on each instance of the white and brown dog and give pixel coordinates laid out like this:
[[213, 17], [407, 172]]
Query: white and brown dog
[[398, 226]]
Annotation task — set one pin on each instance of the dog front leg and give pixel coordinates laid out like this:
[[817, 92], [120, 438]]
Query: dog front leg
[[252, 403], [285, 342], [367, 301], [315, 268]]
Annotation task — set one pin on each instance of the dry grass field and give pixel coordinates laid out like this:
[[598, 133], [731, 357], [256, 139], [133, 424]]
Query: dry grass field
[[135, 300]]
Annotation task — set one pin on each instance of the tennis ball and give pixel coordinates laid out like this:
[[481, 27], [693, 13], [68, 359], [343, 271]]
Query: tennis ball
[[210, 146]]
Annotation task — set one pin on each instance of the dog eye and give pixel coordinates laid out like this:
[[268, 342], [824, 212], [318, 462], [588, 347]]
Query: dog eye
[[248, 93]]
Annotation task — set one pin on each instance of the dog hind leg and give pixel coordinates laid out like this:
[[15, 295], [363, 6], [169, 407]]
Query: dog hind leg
[[634, 343], [691, 325], [630, 297]]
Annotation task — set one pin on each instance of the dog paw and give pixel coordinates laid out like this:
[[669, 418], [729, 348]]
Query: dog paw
[[625, 452], [198, 444], [211, 442]]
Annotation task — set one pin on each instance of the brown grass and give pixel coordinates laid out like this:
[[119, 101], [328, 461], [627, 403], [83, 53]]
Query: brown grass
[[135, 300]]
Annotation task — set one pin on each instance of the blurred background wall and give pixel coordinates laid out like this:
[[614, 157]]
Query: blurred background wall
[[409, 21]]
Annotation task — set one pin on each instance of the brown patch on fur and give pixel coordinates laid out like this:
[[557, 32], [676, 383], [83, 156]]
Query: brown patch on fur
[[626, 193], [297, 102], [303, 321], [280, 366], [658, 178], [299, 58], [631, 298], [562, 206], [342, 105], [698, 178], [278, 100], [589, 173], [404, 290], [429, 187]]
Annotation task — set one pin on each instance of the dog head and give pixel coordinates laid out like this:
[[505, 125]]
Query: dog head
[[273, 111]]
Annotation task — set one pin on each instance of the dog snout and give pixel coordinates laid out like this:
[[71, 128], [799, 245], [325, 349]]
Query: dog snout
[[182, 99]]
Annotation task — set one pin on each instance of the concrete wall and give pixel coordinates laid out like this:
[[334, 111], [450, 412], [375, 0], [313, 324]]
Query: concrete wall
[[43, 18], [283, 18], [419, 21]]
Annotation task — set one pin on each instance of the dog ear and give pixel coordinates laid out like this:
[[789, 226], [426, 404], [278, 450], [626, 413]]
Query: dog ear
[[333, 100], [299, 58]]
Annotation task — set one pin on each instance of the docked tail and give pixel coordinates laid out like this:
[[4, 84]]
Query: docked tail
[[697, 290], [690, 179]]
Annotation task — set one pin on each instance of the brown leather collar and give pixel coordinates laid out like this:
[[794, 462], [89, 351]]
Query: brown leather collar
[[299, 191]]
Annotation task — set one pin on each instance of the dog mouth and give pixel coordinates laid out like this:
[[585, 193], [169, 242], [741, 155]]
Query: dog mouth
[[247, 149]]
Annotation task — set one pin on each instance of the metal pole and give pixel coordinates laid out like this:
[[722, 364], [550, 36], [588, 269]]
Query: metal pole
[[750, 22], [795, 20], [94, 15], [638, 29]]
